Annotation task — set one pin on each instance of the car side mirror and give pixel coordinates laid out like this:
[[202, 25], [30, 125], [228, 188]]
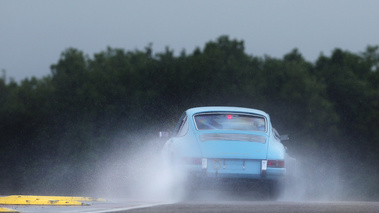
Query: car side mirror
[[284, 137], [163, 134]]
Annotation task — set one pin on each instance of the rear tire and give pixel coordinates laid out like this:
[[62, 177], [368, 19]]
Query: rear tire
[[275, 189]]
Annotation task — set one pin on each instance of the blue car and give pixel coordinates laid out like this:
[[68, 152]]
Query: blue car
[[231, 143]]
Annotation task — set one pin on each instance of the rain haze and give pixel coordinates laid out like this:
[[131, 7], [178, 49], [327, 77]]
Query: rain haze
[[34, 33]]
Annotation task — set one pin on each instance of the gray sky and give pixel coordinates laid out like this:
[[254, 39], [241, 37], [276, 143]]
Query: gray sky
[[33, 34]]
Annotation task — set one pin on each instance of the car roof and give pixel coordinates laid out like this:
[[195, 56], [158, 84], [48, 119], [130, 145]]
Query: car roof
[[195, 110]]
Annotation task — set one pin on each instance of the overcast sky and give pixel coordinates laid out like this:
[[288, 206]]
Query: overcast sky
[[33, 34]]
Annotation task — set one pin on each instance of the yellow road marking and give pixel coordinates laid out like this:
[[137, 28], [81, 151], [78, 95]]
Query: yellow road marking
[[7, 210], [46, 200], [65, 198]]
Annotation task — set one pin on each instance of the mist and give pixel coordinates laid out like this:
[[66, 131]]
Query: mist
[[138, 172], [131, 168], [134, 172]]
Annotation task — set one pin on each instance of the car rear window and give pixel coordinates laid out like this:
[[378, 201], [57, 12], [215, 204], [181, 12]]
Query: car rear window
[[230, 121]]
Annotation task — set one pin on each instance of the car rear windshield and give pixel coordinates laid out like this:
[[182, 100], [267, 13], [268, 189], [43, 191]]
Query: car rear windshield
[[230, 121]]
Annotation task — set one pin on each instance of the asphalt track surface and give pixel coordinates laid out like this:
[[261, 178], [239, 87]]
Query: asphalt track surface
[[133, 206], [263, 206]]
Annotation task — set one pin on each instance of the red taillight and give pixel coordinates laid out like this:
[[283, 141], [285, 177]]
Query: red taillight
[[275, 163], [193, 161]]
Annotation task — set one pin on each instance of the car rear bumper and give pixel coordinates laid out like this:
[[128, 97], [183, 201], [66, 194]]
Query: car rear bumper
[[236, 169]]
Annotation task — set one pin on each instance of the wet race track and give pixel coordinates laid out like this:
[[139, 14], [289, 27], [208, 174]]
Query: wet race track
[[205, 203], [264, 206], [214, 206]]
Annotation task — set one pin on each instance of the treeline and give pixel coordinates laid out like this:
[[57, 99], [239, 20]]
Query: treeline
[[70, 118]]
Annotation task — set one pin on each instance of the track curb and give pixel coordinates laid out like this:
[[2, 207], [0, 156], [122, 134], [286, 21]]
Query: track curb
[[45, 201]]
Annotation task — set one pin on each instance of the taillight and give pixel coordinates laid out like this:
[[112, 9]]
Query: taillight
[[275, 163], [192, 161]]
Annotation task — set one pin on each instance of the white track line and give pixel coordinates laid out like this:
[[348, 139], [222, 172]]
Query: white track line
[[130, 208]]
